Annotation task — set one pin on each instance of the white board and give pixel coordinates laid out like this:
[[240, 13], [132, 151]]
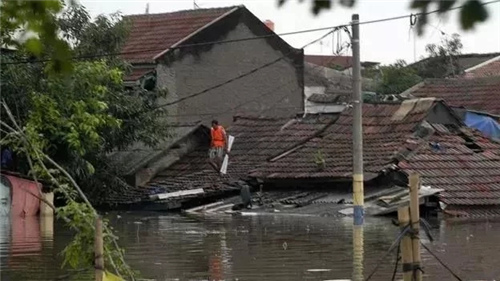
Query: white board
[[178, 193], [223, 168]]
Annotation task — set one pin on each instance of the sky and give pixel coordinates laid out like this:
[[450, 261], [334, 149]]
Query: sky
[[383, 42]]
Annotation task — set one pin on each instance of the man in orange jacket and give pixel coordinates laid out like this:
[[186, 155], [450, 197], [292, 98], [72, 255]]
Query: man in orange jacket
[[218, 144]]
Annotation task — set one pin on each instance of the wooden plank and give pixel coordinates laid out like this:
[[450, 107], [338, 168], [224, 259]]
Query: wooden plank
[[406, 244], [163, 196], [219, 208], [203, 207]]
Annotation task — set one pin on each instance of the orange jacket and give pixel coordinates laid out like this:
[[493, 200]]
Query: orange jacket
[[218, 136]]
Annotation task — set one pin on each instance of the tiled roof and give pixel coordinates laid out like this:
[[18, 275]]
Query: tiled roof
[[332, 96], [457, 159], [382, 139], [481, 94], [335, 62], [323, 98], [490, 68], [469, 175], [151, 34], [340, 62], [256, 140]]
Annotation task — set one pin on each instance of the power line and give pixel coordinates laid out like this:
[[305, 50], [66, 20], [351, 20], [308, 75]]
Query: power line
[[239, 76], [256, 98], [184, 46]]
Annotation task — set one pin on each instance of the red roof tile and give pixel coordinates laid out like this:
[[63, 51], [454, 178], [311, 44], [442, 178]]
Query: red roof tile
[[256, 140], [382, 140], [481, 94], [490, 68], [151, 34], [465, 164], [468, 177]]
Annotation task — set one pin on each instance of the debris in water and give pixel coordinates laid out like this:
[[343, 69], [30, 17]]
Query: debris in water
[[319, 270]]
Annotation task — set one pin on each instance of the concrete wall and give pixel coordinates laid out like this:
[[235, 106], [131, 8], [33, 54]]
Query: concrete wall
[[274, 91]]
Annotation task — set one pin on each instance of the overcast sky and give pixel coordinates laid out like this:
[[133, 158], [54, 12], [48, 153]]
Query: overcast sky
[[383, 42]]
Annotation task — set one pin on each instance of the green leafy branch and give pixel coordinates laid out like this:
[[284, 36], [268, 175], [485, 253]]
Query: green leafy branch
[[78, 212]]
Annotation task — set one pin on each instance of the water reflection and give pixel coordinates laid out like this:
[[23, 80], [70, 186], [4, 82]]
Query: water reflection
[[256, 248]]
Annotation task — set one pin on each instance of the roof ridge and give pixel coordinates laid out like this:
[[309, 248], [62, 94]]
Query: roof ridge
[[261, 117], [471, 79], [186, 11]]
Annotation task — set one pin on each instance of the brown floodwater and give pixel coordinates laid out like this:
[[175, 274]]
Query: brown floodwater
[[175, 247]]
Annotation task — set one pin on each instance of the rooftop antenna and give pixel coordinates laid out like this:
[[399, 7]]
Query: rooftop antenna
[[195, 6], [147, 8]]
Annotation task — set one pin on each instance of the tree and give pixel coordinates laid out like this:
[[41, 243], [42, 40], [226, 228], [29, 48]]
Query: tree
[[32, 25], [396, 78], [65, 121], [442, 59], [84, 114], [471, 11]]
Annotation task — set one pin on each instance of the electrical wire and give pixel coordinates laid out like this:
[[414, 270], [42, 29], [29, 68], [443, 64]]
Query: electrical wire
[[257, 98], [237, 77], [183, 46], [441, 262]]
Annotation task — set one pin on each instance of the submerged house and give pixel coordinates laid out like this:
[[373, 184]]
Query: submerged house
[[209, 58], [419, 135], [191, 180], [475, 100], [253, 71], [304, 164]]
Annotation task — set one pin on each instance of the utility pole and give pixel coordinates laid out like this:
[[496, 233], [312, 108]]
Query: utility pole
[[357, 139], [357, 127]]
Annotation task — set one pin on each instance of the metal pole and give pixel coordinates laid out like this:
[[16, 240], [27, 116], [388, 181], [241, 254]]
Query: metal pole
[[357, 128], [357, 177]]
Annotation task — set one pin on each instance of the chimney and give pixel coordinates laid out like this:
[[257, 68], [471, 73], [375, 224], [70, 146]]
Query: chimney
[[269, 24], [147, 8]]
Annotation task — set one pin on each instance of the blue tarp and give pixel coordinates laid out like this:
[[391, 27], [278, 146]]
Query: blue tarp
[[487, 125]]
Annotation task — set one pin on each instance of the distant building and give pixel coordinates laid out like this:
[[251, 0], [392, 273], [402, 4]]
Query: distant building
[[460, 64], [486, 69], [421, 136], [327, 90], [339, 63], [475, 100]]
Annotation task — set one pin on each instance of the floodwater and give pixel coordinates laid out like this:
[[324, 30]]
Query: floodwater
[[174, 247]]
